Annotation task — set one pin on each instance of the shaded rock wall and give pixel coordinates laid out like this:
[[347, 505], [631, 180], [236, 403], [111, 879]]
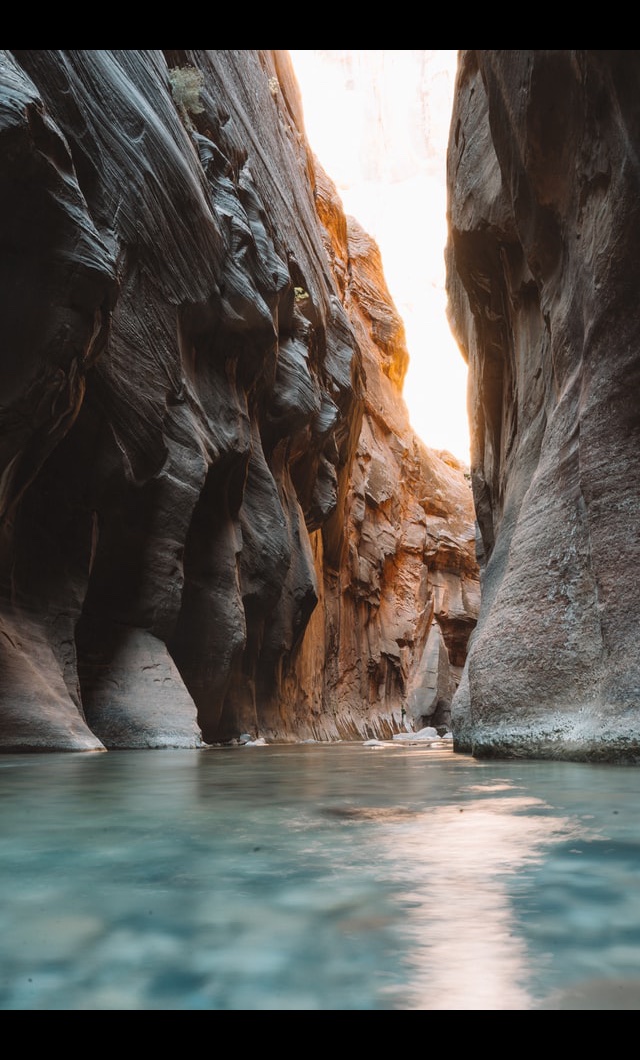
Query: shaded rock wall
[[543, 274], [183, 390]]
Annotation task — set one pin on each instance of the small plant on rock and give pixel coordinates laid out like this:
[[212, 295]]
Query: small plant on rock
[[186, 85]]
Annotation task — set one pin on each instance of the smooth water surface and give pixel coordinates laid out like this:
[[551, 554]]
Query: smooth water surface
[[343, 876]]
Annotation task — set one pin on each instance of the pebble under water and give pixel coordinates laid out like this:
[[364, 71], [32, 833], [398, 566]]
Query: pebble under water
[[317, 877]]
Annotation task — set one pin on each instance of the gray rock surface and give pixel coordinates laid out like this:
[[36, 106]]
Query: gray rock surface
[[543, 275]]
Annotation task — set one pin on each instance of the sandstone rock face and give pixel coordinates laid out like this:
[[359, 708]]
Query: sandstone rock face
[[543, 273], [183, 410], [397, 566]]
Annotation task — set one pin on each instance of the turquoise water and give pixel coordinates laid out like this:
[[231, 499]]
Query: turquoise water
[[317, 877]]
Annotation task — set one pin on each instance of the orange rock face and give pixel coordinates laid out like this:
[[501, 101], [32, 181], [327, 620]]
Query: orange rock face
[[400, 591]]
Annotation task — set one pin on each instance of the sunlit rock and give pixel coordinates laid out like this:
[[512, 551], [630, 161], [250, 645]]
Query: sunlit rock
[[399, 590], [543, 274]]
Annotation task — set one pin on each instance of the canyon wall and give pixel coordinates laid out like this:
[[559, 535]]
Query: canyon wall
[[543, 268], [215, 517], [397, 563]]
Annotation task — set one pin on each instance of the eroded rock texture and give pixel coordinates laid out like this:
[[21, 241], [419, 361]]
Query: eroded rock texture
[[397, 564], [182, 396], [543, 278]]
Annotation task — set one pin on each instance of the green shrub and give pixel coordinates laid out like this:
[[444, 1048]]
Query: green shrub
[[186, 84]]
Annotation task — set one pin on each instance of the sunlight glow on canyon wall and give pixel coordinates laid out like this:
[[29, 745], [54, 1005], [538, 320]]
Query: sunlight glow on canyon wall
[[378, 120]]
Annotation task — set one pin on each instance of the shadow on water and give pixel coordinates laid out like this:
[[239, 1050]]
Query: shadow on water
[[317, 877]]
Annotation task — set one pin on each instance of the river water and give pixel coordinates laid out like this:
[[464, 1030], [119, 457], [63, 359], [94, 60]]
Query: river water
[[317, 877]]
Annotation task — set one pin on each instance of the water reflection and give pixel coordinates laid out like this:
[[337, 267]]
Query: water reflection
[[462, 861], [316, 877]]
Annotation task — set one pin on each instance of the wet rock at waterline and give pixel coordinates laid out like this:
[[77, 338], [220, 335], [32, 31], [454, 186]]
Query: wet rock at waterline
[[543, 278], [216, 519]]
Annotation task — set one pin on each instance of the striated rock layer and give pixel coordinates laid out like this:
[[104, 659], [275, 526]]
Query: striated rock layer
[[396, 562], [543, 274], [201, 531]]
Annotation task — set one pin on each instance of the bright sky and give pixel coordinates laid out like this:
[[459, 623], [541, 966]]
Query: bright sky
[[379, 123]]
